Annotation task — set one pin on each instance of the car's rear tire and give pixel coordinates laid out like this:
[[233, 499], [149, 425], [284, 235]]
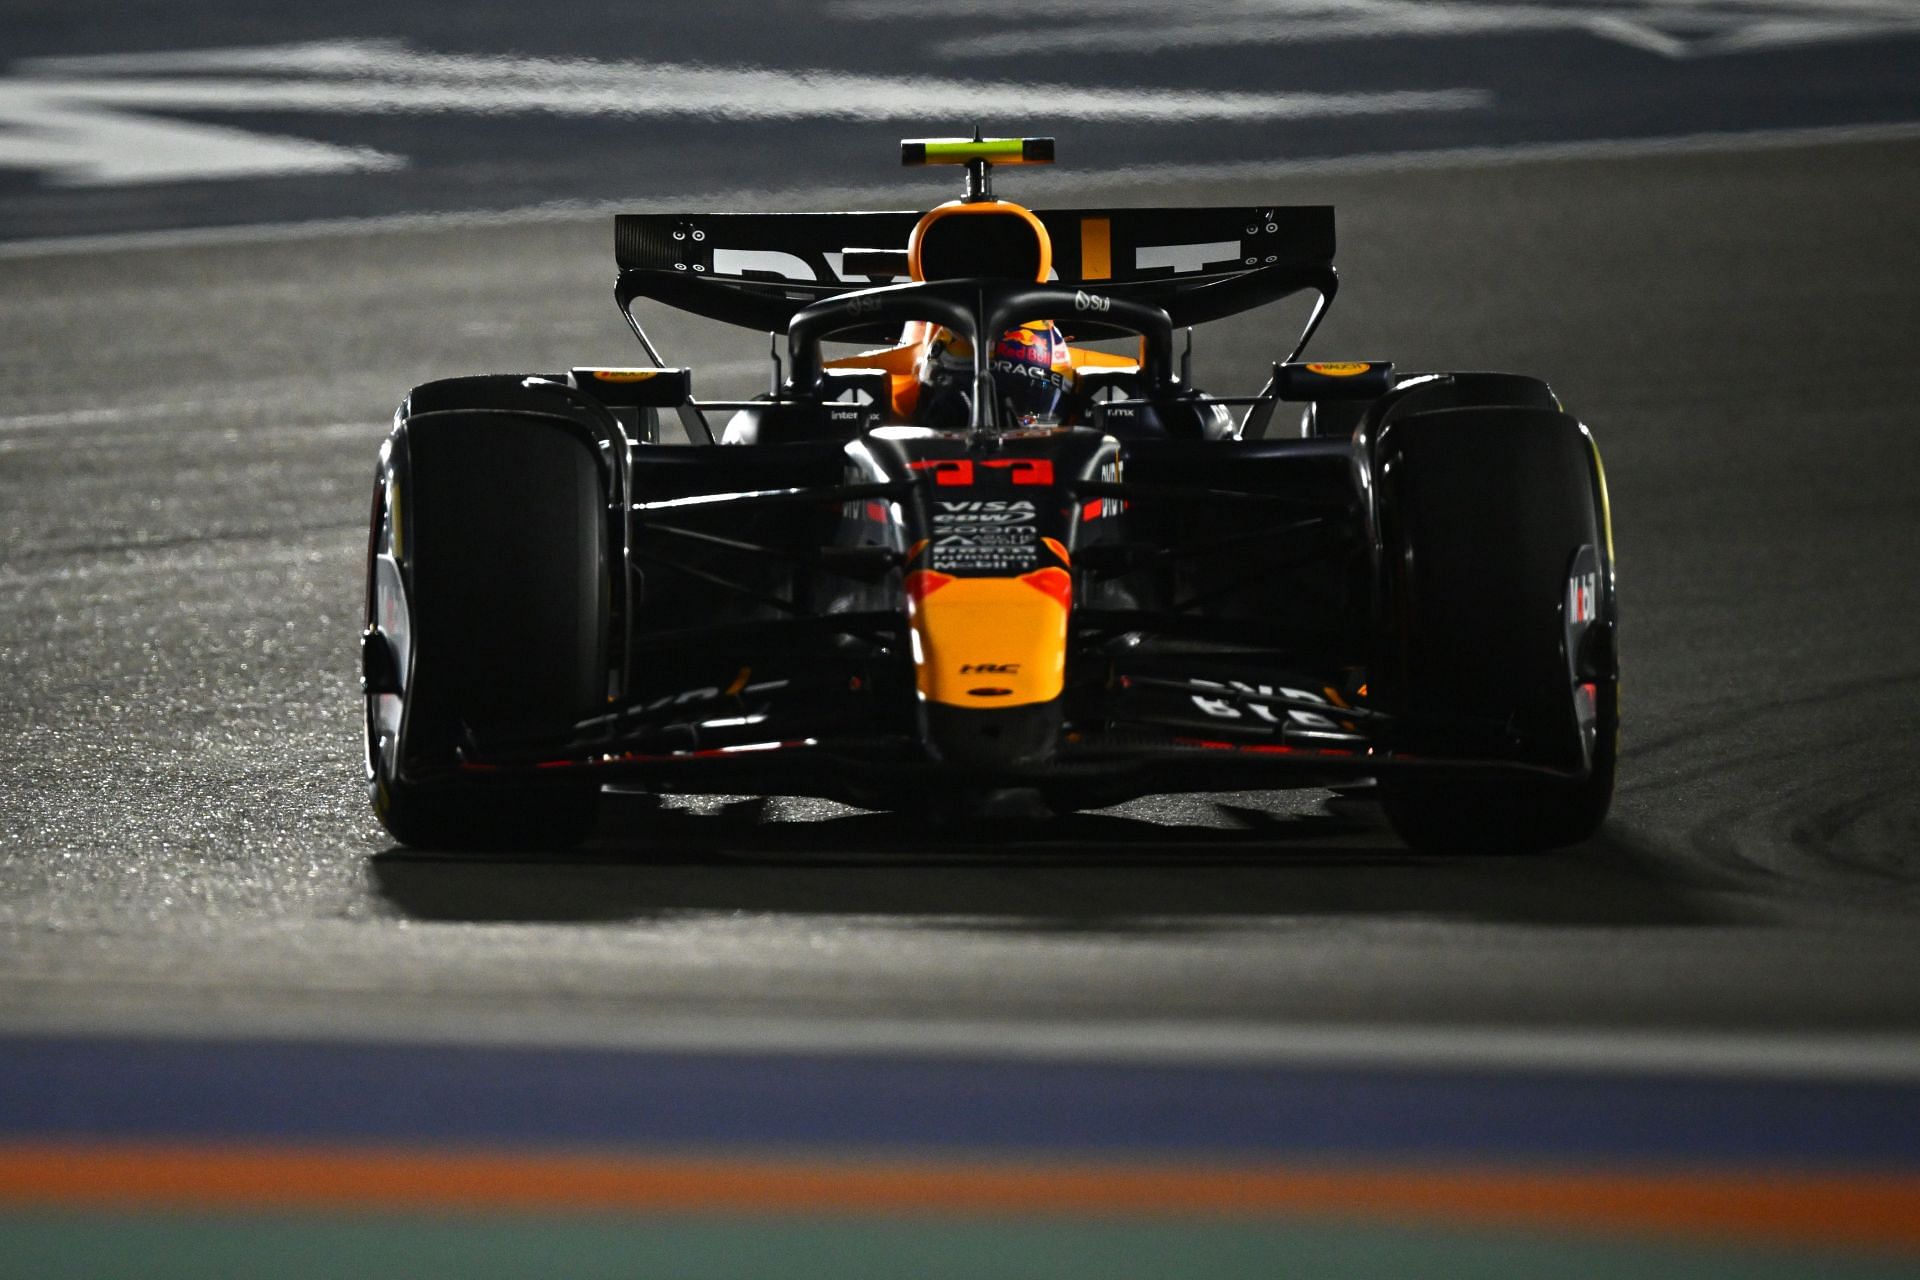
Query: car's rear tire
[[1498, 635], [490, 612]]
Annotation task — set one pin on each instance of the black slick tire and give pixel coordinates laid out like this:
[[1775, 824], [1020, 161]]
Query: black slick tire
[[1498, 639], [499, 539]]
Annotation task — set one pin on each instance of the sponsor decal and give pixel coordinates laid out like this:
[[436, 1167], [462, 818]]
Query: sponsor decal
[[624, 375], [989, 668], [1236, 709], [1084, 301], [1582, 615], [758, 263], [1340, 368], [975, 536], [737, 689], [1034, 372], [996, 535], [1185, 257], [1582, 594], [984, 511], [1025, 343]]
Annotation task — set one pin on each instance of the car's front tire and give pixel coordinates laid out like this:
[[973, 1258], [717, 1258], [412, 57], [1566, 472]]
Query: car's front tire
[[487, 607], [1499, 635]]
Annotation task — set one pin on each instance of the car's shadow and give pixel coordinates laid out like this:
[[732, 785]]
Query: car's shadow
[[1202, 866]]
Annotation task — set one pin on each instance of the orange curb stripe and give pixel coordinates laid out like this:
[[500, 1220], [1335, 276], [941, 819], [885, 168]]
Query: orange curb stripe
[[1859, 1209]]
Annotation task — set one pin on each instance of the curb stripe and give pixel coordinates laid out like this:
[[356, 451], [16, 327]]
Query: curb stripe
[[1832, 1209], [312, 1096]]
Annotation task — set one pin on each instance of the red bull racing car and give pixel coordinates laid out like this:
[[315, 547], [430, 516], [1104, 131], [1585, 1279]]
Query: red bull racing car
[[977, 561]]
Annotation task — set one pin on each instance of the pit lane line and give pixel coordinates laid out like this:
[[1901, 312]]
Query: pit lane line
[[915, 191]]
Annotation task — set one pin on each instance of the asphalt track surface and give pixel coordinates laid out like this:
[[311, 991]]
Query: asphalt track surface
[[186, 455], [184, 461]]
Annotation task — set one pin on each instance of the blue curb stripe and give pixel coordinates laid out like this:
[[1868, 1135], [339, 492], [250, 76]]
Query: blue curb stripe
[[76, 1089]]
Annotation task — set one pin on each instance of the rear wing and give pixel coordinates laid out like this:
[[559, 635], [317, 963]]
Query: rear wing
[[757, 269]]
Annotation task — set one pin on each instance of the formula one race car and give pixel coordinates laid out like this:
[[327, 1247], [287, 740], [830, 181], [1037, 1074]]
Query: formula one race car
[[987, 565]]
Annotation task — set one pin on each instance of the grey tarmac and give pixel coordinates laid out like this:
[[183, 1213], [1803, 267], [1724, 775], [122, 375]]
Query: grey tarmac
[[185, 451]]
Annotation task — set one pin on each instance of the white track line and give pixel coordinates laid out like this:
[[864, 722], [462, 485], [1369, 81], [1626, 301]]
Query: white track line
[[915, 192], [1674, 29], [109, 415], [263, 435], [84, 122]]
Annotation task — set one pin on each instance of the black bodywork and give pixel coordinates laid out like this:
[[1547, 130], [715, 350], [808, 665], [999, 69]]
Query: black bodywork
[[1239, 607]]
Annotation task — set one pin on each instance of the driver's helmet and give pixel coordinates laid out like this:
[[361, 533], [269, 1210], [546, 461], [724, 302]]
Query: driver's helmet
[[1032, 377]]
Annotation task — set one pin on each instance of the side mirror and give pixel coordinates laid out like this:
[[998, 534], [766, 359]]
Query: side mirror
[[639, 388], [865, 387], [1333, 380]]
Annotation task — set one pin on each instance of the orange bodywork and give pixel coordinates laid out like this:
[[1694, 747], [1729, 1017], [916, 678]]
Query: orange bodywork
[[979, 208], [904, 360], [988, 643]]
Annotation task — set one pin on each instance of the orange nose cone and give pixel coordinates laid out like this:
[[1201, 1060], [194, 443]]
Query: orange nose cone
[[991, 642]]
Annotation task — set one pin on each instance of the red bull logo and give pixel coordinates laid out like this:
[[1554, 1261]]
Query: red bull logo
[[1032, 345]]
